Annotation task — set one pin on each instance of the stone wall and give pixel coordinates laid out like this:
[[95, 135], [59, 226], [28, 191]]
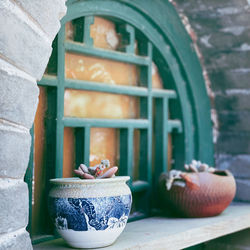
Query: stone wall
[[27, 30], [223, 36], [222, 29]]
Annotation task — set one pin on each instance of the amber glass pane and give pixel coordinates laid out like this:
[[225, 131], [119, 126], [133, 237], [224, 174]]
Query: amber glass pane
[[94, 69], [156, 79], [104, 34], [102, 31], [38, 192], [104, 145], [91, 104], [68, 152]]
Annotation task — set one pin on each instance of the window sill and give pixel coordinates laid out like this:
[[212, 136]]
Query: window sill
[[173, 233]]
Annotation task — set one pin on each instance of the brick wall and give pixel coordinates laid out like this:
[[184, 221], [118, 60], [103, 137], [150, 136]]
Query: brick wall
[[223, 36], [27, 31]]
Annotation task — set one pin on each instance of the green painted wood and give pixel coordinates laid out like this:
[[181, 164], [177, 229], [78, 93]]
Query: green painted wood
[[88, 21], [105, 123], [79, 146], [150, 115], [137, 13], [126, 153], [102, 87], [137, 216], [78, 29], [174, 125], [164, 93], [48, 80], [139, 186], [190, 119], [28, 178], [102, 53], [52, 64], [60, 104], [42, 238], [50, 157], [174, 32], [86, 144], [161, 139], [128, 33]]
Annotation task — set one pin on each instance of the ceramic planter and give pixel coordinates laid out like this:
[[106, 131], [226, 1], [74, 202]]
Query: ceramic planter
[[90, 213], [201, 194]]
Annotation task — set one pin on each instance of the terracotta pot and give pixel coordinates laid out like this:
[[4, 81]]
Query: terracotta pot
[[200, 194]]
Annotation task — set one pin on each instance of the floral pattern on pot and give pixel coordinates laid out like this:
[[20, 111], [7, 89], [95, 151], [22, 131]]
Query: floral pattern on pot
[[88, 214]]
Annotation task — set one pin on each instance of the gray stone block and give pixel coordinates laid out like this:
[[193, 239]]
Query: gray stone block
[[228, 60], [14, 155], [242, 190], [18, 99], [47, 13], [233, 143], [22, 44], [234, 121], [229, 79], [211, 5], [14, 205], [18, 240], [214, 42], [239, 165], [234, 101]]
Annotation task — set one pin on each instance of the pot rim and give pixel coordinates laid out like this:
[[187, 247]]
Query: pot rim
[[77, 180]]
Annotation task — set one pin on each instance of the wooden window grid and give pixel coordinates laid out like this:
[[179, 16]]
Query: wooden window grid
[[57, 122]]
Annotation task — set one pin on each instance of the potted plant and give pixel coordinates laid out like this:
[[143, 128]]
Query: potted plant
[[201, 191], [93, 211]]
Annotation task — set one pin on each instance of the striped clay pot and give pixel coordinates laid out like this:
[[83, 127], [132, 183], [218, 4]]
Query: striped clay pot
[[201, 194]]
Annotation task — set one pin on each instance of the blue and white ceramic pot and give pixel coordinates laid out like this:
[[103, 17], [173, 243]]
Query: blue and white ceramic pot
[[90, 213]]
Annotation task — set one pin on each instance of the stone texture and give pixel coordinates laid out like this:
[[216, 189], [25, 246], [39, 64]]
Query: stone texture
[[18, 240], [239, 165], [14, 205], [14, 153], [21, 42], [47, 13], [228, 60], [233, 143], [234, 120], [201, 5], [229, 79], [235, 100], [242, 190], [19, 98]]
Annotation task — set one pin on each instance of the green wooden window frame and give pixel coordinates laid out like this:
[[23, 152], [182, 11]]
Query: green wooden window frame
[[169, 46]]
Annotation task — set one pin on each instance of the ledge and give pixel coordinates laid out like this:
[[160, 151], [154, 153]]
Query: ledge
[[173, 233]]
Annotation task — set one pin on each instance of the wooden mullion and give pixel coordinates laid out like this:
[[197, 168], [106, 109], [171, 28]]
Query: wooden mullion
[[126, 152], [150, 114], [50, 134], [79, 146], [48, 81], [60, 104], [86, 145], [102, 53], [87, 39], [160, 137], [102, 87], [105, 123]]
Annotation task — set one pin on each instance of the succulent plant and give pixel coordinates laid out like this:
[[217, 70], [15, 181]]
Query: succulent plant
[[99, 171], [194, 166]]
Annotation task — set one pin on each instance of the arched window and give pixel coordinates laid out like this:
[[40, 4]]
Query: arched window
[[121, 84]]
